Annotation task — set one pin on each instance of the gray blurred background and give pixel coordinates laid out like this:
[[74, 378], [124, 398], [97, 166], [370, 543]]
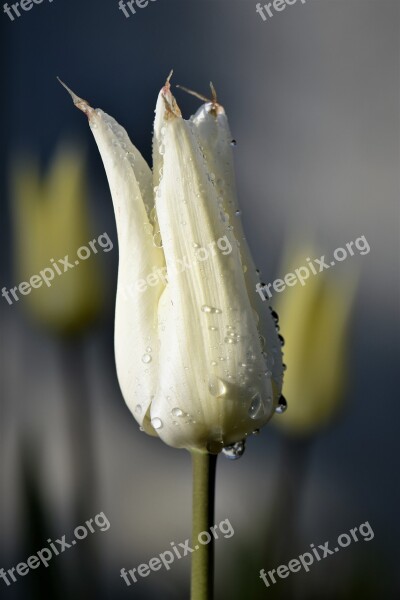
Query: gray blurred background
[[312, 97]]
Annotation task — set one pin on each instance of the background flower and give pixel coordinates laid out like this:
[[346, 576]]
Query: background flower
[[51, 219], [317, 319]]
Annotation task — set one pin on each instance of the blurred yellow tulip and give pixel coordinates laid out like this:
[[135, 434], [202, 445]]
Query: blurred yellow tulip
[[51, 220], [314, 319]]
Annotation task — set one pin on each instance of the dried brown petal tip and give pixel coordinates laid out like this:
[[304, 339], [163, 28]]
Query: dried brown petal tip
[[172, 108], [215, 108], [83, 105]]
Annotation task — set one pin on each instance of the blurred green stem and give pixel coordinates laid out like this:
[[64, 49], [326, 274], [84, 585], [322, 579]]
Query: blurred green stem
[[289, 494], [80, 424], [202, 578]]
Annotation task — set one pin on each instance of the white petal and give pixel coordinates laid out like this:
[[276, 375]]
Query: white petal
[[202, 350], [216, 138], [136, 338]]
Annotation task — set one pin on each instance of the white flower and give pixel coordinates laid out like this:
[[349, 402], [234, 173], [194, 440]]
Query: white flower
[[198, 358]]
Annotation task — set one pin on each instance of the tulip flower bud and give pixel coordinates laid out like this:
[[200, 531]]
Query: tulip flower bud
[[198, 358]]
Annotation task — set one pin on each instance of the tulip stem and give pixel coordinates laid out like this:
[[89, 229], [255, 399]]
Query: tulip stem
[[202, 578]]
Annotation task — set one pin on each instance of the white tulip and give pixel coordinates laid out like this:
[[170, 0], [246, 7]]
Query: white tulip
[[191, 364]]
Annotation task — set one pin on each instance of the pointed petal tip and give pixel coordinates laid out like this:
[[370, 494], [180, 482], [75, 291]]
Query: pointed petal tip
[[213, 93], [83, 105], [167, 85], [172, 108]]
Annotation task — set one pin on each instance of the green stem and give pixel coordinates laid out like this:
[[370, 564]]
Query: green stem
[[202, 579]]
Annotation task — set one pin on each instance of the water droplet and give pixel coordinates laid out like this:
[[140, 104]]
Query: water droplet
[[234, 451], [138, 409], [213, 363], [256, 432], [210, 309], [206, 309], [282, 405], [233, 142], [238, 213], [281, 339], [157, 423], [153, 214], [284, 367], [216, 387], [161, 149], [148, 349], [177, 412], [212, 328], [157, 241], [274, 315], [146, 358], [257, 409]]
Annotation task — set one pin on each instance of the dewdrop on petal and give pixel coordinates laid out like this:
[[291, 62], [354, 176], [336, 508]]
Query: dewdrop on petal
[[200, 390]]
